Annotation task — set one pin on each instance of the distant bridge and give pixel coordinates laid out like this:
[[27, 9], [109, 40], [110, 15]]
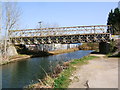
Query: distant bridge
[[63, 35]]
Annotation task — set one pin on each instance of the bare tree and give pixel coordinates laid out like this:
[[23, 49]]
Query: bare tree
[[0, 32], [10, 17]]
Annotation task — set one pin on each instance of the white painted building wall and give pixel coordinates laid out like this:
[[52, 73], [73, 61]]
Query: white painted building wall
[[64, 46], [51, 47]]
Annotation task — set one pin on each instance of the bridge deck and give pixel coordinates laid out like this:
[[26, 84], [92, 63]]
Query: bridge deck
[[57, 35], [77, 38]]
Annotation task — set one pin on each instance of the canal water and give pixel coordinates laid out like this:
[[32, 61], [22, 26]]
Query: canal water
[[25, 72]]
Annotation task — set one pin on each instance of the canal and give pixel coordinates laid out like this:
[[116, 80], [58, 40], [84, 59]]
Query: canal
[[25, 72]]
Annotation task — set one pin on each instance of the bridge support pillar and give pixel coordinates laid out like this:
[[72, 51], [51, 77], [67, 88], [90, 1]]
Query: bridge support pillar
[[104, 47]]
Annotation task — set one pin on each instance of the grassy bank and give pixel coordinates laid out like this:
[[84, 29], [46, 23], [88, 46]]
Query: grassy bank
[[63, 51], [14, 58], [114, 55], [31, 54], [62, 80], [89, 46]]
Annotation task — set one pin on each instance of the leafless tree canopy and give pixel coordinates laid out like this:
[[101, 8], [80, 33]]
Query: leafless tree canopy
[[9, 17], [11, 14]]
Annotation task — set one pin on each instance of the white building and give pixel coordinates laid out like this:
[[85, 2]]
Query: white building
[[51, 47], [119, 4]]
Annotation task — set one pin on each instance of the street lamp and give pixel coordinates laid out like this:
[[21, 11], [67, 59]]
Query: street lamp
[[40, 23]]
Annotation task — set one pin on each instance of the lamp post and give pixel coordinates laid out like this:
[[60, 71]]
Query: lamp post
[[41, 34], [40, 23]]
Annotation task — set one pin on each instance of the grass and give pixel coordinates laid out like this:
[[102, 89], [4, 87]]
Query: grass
[[4, 62], [63, 51], [63, 80], [14, 58], [111, 55]]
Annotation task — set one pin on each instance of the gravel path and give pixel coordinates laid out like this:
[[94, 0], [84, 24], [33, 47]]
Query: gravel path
[[98, 73]]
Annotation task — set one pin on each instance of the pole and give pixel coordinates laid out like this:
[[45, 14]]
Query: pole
[[40, 24]]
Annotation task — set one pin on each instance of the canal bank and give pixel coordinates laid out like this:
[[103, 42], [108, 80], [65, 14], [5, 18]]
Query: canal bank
[[14, 58], [23, 56], [62, 78], [92, 71], [28, 71]]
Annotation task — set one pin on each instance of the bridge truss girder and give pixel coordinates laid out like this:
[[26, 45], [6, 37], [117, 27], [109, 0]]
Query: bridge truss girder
[[77, 34], [66, 39]]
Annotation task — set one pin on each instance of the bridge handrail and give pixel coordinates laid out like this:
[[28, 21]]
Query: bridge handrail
[[59, 31], [60, 28], [61, 35]]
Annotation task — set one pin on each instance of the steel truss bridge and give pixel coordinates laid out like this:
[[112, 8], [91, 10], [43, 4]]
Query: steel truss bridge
[[63, 35]]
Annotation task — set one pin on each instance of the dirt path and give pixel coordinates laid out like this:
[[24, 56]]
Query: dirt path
[[98, 73]]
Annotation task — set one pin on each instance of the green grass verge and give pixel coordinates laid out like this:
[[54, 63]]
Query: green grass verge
[[63, 80], [111, 55]]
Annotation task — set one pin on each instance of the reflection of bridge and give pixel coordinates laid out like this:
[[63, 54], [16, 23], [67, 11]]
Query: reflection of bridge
[[77, 34]]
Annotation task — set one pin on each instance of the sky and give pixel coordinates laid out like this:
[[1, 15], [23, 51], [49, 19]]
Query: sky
[[64, 13]]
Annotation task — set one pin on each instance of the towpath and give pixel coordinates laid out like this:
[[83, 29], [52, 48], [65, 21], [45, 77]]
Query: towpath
[[98, 73]]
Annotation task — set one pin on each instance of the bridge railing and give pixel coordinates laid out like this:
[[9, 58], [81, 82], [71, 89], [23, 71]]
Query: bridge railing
[[58, 31]]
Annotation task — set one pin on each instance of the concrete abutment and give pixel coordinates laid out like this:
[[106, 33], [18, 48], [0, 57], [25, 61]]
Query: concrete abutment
[[104, 47]]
